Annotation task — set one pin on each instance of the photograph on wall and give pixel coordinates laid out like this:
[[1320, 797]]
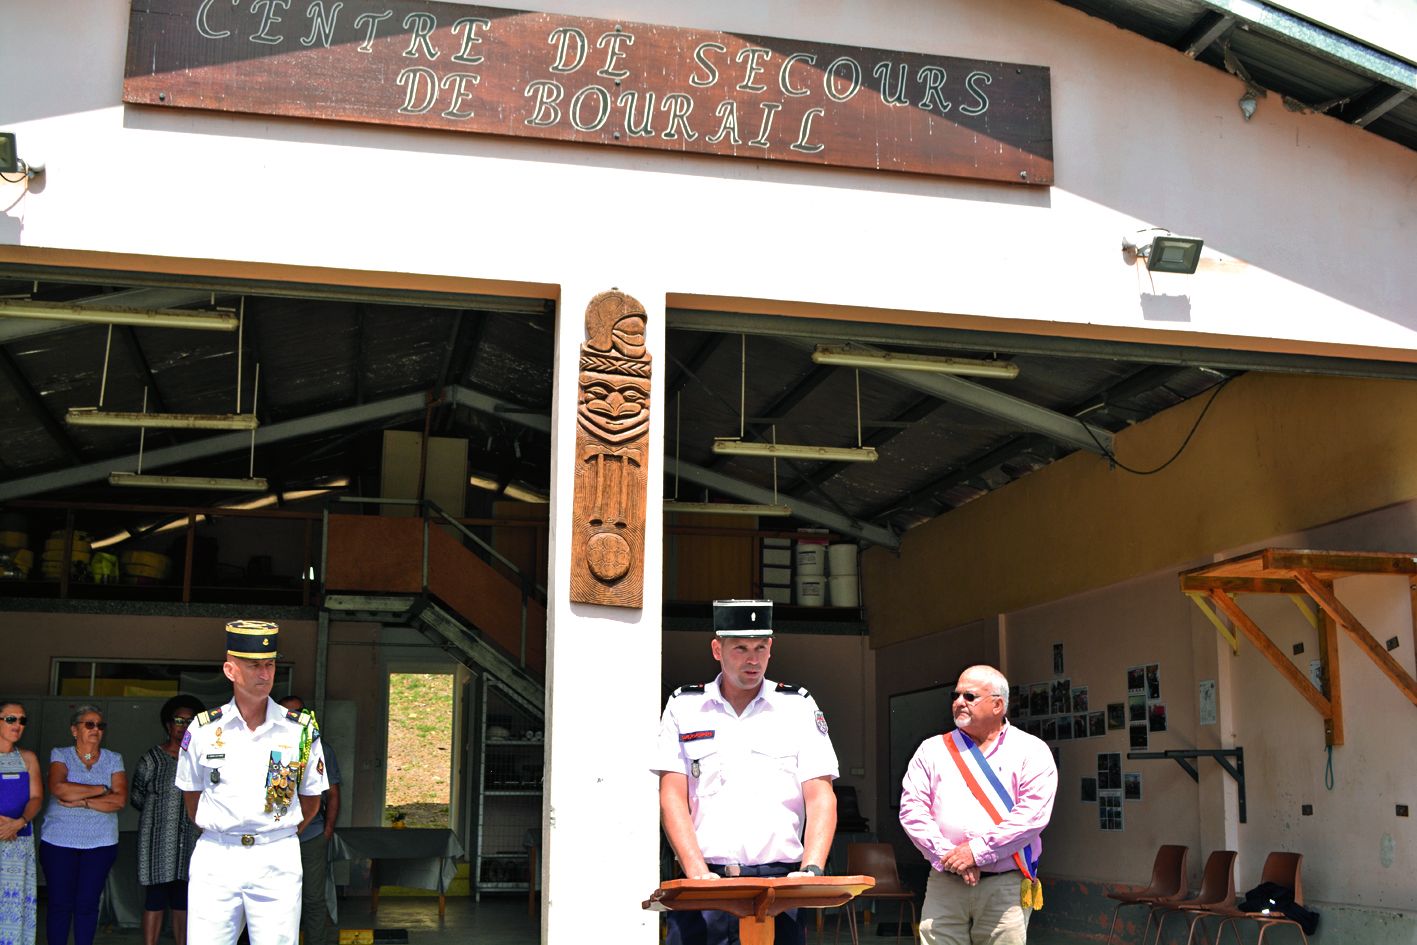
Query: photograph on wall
[[1079, 725], [1065, 728], [1033, 727], [1109, 770], [1062, 700], [1136, 707], [1089, 790], [1116, 716], [1058, 659], [1138, 736], [1038, 700], [1109, 810], [1096, 724], [1136, 679], [1207, 701], [1050, 729], [1079, 698], [1131, 785], [1156, 716], [1153, 681], [1018, 707]]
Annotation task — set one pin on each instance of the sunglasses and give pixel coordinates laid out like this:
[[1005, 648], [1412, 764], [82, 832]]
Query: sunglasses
[[13, 719], [90, 724], [971, 696], [179, 721]]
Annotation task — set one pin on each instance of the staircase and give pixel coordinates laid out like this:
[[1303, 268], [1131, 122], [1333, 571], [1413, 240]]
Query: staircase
[[432, 574]]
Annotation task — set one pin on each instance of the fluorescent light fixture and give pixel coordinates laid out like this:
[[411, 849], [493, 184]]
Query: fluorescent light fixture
[[512, 491], [186, 482], [839, 454], [94, 417], [113, 315], [847, 356], [729, 508]]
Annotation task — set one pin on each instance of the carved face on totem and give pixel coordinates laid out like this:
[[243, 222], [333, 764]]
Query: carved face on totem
[[614, 380]]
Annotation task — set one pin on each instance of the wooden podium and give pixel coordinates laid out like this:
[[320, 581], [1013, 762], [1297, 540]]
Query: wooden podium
[[755, 899]]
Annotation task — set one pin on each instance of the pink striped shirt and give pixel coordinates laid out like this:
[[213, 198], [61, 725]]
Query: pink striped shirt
[[938, 811]]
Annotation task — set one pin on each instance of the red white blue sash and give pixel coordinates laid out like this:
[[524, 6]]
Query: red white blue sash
[[996, 800]]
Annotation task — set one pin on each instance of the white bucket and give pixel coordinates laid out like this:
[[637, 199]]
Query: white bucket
[[811, 557], [841, 559], [811, 591], [844, 590]]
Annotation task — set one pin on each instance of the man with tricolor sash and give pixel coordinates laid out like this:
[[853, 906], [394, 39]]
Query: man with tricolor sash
[[975, 801]]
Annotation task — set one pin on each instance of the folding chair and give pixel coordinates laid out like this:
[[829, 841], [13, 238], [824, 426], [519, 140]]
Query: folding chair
[[1217, 890], [1168, 884], [1281, 869]]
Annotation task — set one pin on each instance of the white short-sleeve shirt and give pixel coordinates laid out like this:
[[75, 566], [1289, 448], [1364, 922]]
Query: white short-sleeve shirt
[[746, 771], [246, 776]]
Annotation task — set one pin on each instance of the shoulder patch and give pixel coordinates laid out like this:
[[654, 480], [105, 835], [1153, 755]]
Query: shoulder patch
[[791, 689], [694, 690], [300, 717], [210, 715]]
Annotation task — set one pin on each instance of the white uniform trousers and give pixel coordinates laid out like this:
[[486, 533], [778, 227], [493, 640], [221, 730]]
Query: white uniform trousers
[[258, 886]]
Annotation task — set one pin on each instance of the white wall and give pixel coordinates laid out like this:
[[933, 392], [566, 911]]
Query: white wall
[[1143, 137]]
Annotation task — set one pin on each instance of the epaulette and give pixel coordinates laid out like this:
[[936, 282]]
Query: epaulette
[[301, 717], [209, 715], [694, 690], [791, 690]]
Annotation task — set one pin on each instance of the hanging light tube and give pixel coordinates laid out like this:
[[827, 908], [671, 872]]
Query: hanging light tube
[[95, 417], [187, 482], [729, 508], [115, 315], [724, 446], [846, 356]]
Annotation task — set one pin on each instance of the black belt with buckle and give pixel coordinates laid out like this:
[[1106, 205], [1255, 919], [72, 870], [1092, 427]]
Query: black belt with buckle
[[734, 870]]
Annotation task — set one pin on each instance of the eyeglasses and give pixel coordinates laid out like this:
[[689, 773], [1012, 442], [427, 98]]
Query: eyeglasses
[[90, 724], [12, 719], [972, 696], [179, 721]]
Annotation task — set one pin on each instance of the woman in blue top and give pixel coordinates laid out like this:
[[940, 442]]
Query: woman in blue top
[[87, 788], [20, 797]]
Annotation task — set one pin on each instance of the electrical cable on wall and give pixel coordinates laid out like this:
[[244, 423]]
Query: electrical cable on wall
[[1112, 457]]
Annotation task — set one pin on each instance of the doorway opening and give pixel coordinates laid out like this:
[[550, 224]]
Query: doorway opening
[[420, 762]]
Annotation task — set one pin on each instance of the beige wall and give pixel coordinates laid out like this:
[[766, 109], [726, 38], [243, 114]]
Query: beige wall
[[1275, 453]]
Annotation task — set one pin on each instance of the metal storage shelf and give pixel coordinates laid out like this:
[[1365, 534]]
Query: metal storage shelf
[[509, 793]]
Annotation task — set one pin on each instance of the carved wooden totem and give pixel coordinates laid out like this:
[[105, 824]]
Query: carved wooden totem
[[612, 427]]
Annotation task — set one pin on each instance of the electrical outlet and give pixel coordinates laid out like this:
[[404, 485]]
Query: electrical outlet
[[1307, 810], [1298, 648], [1392, 643], [1402, 810]]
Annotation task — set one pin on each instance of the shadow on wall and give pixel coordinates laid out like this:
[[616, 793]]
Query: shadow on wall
[[1166, 308]]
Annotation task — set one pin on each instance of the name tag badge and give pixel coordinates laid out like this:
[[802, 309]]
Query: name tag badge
[[216, 757], [10, 777]]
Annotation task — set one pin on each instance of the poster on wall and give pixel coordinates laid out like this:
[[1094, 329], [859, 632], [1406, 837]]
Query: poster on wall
[[1116, 716], [1079, 698], [1136, 707], [1058, 659], [1138, 736], [1065, 727], [1109, 810], [1136, 680], [1156, 717], [1018, 705], [1131, 785], [1153, 682], [1062, 700], [1109, 770], [1096, 725], [1207, 701], [1038, 700]]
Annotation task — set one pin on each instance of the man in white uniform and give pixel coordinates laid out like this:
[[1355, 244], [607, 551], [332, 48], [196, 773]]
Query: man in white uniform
[[240, 769], [743, 763]]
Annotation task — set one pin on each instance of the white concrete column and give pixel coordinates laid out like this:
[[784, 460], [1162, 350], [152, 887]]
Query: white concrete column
[[601, 814]]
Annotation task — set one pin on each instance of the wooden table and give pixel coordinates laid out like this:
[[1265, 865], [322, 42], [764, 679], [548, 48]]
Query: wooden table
[[422, 858], [756, 900]]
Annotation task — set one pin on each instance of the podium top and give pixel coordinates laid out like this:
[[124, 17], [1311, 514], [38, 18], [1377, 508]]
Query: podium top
[[756, 896]]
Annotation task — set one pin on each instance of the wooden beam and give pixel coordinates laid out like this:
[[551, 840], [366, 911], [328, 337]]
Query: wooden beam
[[1310, 614], [1239, 585], [1324, 597], [1333, 679], [1201, 600], [1272, 653], [1349, 562]]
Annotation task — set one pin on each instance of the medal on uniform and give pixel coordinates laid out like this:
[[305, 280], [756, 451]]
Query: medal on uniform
[[280, 786], [216, 776], [694, 769]]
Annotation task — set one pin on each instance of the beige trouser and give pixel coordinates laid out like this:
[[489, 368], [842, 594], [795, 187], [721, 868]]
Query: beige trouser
[[956, 914]]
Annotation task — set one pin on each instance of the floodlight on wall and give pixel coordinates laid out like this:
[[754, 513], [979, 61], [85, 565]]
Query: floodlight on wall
[[1166, 253], [95, 417], [11, 163], [187, 482], [847, 356], [724, 446], [729, 508], [115, 315]]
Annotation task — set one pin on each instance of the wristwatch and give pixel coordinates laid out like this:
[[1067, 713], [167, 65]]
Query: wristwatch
[[812, 868]]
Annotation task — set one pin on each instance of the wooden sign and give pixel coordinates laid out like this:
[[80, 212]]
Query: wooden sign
[[620, 84], [612, 425]]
